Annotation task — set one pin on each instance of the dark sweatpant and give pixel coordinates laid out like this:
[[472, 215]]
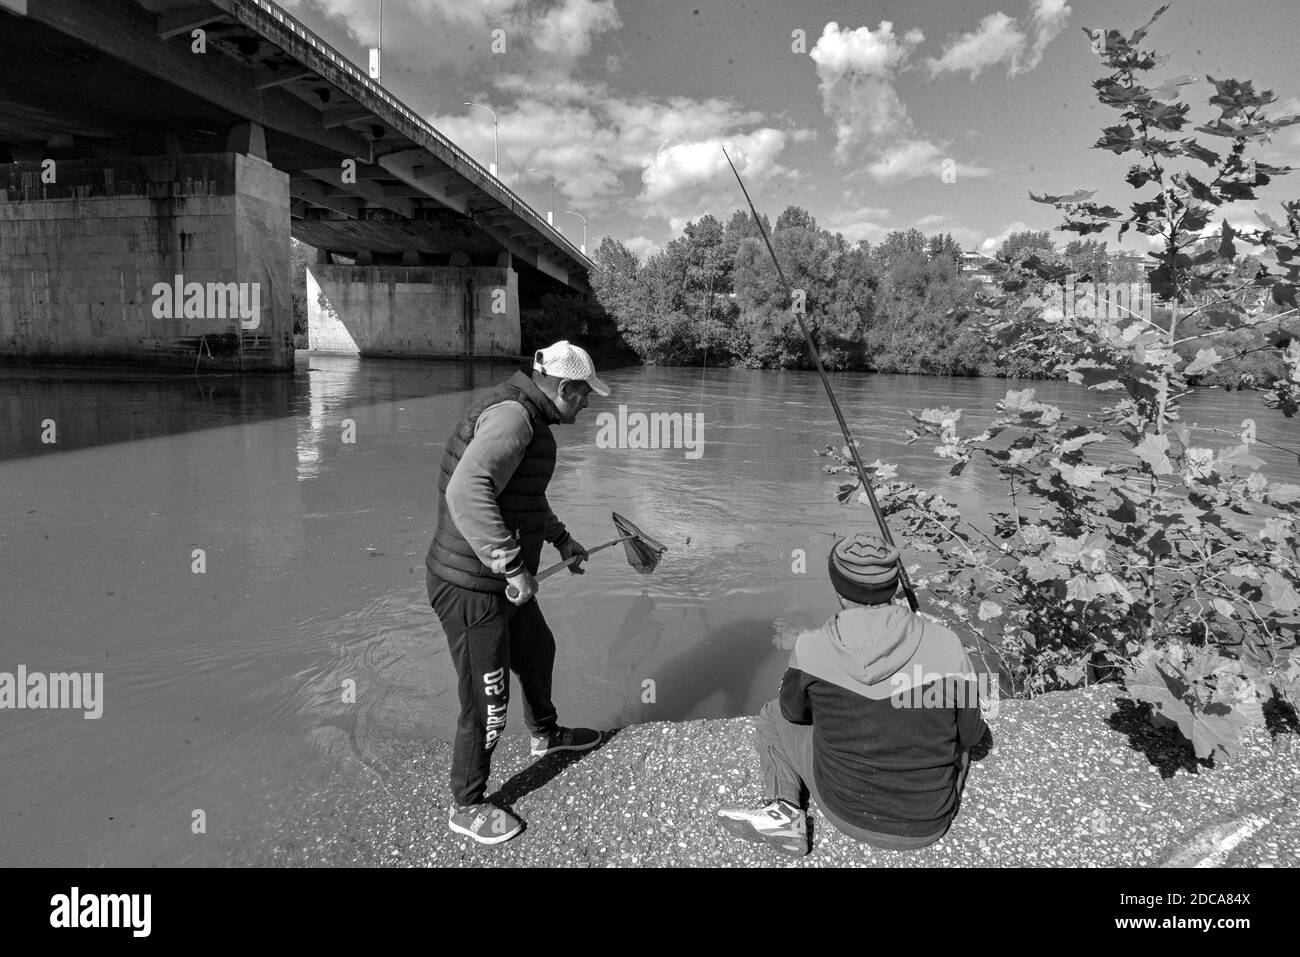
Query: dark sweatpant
[[488, 638], [785, 757]]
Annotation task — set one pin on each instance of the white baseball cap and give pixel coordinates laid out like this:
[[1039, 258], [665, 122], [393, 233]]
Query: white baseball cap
[[564, 360]]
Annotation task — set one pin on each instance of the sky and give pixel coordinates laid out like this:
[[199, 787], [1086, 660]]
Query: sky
[[853, 111]]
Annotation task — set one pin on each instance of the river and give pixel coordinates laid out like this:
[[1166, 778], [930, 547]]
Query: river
[[229, 562]]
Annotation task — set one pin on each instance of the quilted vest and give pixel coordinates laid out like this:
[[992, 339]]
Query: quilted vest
[[522, 502]]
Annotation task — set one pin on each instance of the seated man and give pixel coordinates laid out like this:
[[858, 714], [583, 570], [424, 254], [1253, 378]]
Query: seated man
[[877, 714]]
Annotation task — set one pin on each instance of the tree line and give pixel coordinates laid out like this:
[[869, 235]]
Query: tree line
[[903, 305]]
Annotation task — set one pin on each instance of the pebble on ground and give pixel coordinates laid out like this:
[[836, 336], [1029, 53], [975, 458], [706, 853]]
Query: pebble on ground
[[1077, 778]]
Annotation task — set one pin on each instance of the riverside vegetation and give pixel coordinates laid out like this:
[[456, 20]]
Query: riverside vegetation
[[1172, 566]]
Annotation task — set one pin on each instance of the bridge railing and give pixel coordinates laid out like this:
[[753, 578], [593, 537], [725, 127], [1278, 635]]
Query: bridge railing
[[295, 26]]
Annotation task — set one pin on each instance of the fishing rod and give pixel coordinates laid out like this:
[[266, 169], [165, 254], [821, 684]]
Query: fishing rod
[[903, 578]]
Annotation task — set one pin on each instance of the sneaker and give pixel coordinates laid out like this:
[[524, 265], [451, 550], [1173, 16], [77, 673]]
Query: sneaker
[[486, 823], [565, 739], [777, 823]]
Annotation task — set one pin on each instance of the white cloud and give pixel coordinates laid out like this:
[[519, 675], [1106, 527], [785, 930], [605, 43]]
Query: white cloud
[[862, 223], [643, 247], [997, 38], [989, 246], [1002, 39], [911, 159], [567, 29], [966, 237], [551, 39], [1048, 18], [638, 155], [685, 180], [856, 71]]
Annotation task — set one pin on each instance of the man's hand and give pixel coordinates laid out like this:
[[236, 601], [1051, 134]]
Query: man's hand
[[520, 587], [568, 550]]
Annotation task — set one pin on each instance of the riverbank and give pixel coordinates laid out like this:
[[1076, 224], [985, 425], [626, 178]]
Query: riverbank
[[1072, 779]]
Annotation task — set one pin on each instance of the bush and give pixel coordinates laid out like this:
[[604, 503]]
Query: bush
[[1174, 565]]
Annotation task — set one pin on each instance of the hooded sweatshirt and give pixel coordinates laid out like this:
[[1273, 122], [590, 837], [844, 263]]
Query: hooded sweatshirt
[[893, 701]]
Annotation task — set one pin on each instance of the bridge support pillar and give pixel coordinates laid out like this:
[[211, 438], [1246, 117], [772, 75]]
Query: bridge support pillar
[[436, 311], [173, 261]]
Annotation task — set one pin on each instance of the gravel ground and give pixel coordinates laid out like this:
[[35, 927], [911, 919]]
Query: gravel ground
[[1076, 779]]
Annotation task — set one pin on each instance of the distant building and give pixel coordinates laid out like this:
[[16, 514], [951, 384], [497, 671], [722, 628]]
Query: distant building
[[973, 265], [1126, 260]]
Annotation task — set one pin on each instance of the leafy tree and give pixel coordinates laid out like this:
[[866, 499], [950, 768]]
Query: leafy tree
[[1088, 257], [943, 248], [796, 217], [1133, 545], [1018, 246]]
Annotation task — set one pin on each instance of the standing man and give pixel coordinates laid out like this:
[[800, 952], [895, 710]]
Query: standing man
[[493, 517]]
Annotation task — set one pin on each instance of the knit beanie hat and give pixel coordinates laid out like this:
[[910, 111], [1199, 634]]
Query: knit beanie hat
[[864, 569]]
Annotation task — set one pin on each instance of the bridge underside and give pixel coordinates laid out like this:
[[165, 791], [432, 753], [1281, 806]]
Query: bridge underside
[[119, 83]]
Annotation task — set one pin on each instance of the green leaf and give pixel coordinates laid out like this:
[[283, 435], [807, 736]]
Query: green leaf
[[1076, 442], [1197, 151], [1284, 495], [1226, 249], [1077, 196], [1223, 607], [1279, 593], [1040, 570], [938, 416], [1153, 450], [1218, 730], [1158, 687], [1079, 476], [1213, 728], [1168, 90], [1287, 681], [1071, 675], [1035, 534], [1236, 457], [1087, 551], [1276, 530], [1083, 588], [1245, 570], [1206, 359], [1020, 401]]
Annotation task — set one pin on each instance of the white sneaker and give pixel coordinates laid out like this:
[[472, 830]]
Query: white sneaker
[[777, 823], [485, 823]]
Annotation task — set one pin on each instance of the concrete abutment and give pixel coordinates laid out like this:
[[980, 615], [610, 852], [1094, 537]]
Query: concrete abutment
[[173, 261], [434, 311]]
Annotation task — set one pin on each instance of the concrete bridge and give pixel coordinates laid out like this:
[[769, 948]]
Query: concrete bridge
[[156, 156]]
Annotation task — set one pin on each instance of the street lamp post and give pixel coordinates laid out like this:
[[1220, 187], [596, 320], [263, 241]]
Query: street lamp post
[[550, 212], [495, 137], [583, 247], [376, 53]]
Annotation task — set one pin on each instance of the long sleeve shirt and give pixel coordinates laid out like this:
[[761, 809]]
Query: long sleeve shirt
[[501, 435]]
